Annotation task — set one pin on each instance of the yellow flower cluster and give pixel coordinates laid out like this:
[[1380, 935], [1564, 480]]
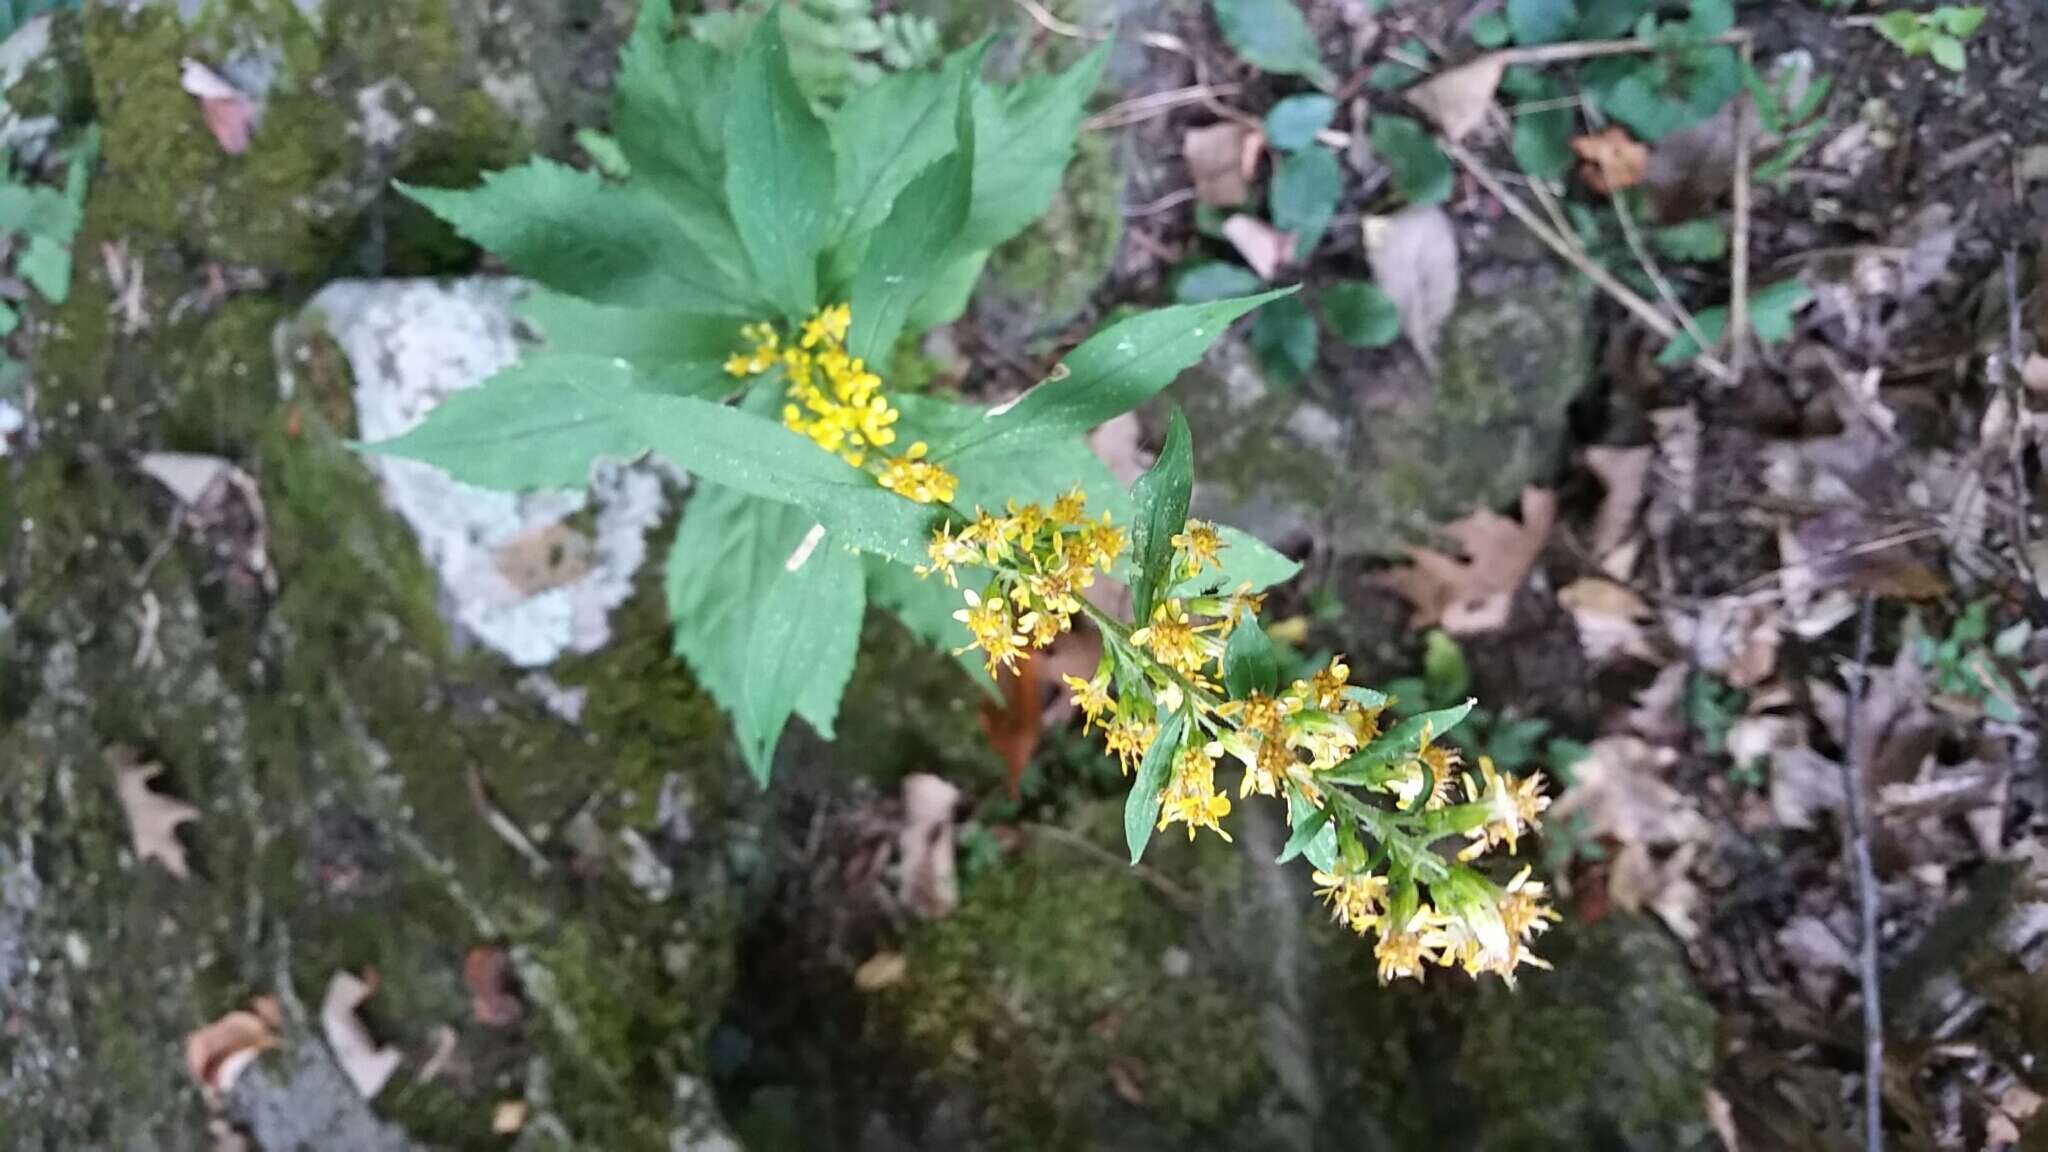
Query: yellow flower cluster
[[1043, 560], [839, 404], [1425, 909]]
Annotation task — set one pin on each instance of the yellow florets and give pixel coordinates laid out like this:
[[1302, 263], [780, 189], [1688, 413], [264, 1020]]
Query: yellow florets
[[915, 478]]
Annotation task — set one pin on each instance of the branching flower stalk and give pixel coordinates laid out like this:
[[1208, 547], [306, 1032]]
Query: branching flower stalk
[[1391, 821]]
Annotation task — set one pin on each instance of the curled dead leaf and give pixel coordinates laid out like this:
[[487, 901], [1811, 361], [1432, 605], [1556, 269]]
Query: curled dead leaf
[[493, 986], [153, 818], [927, 883], [882, 970], [1264, 247], [1476, 593], [368, 1066], [1609, 617], [1625, 474], [1613, 160], [217, 1054], [1221, 159], [229, 113], [1458, 100], [1414, 259]]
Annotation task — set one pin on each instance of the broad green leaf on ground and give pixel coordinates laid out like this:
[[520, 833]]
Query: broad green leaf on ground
[[1246, 560], [923, 226], [1541, 21], [890, 131], [1655, 96], [1422, 173], [570, 230], [1491, 30], [1306, 185], [1160, 499], [779, 176], [1611, 19], [765, 639], [1272, 36], [1141, 807], [524, 428], [46, 265], [1771, 310], [1360, 314], [1293, 123], [1401, 68], [1214, 280], [1024, 135], [672, 351], [1283, 337], [1695, 241], [1542, 140], [1112, 372]]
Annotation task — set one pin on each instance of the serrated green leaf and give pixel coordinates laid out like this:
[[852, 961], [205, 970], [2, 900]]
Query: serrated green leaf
[[1771, 312], [891, 131], [1283, 337], [1111, 373], [1250, 662], [674, 352], [1246, 561], [1271, 36], [1213, 280], [1294, 121], [923, 225], [1422, 173], [1024, 137], [669, 112], [1306, 185], [1541, 21], [1695, 241], [1160, 499], [573, 232], [779, 178], [1361, 314], [1141, 807], [1369, 765]]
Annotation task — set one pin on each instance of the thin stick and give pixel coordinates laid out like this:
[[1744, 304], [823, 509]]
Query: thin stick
[[1139, 109], [1866, 894], [1642, 309], [1634, 237], [1045, 19], [1738, 250], [1165, 203], [2017, 397], [1587, 49]]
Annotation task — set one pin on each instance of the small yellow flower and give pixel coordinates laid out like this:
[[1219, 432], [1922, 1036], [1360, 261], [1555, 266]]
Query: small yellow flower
[[1355, 899], [1091, 697], [1406, 949], [1512, 805], [1191, 797], [915, 478], [1197, 544], [830, 325], [1128, 739], [1068, 510], [1172, 638]]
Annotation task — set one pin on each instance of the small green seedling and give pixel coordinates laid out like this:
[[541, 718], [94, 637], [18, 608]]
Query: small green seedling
[[1968, 671], [1938, 35]]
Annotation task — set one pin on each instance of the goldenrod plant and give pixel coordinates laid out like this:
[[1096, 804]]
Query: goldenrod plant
[[728, 304]]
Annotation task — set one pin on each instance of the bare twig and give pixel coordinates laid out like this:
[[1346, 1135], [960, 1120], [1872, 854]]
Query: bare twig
[[1738, 249], [1634, 237], [1587, 49], [2015, 353], [1045, 19], [1139, 109], [1866, 892], [1642, 309], [1165, 203]]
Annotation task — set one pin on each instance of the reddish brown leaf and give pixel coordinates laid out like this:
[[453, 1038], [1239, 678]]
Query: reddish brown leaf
[[1013, 727], [493, 987], [1613, 160]]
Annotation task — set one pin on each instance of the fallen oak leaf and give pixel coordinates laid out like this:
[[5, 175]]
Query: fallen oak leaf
[[1457, 101], [1414, 260], [1625, 473], [1613, 160], [1012, 727], [153, 818], [368, 1066], [229, 113], [217, 1054], [1609, 617], [1475, 594]]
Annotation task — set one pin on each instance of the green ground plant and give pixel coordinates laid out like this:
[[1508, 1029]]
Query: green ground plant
[[719, 307], [1937, 35]]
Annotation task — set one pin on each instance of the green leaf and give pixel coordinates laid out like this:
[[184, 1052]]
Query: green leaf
[[1368, 766], [767, 617], [671, 351], [1947, 51], [1141, 807], [1294, 121], [1695, 241], [1395, 72], [890, 131], [1771, 312], [925, 607], [779, 179], [1271, 36], [605, 154], [1283, 337], [1491, 30], [1306, 185], [1541, 21], [1213, 280], [1360, 314], [1542, 142], [1422, 173], [922, 227], [9, 320], [947, 296], [1709, 18], [1250, 662], [1111, 373], [1611, 19], [525, 427], [1025, 469], [610, 243], [1246, 561], [1314, 834], [1160, 498], [669, 113], [1024, 136], [46, 265], [1958, 20], [1443, 667]]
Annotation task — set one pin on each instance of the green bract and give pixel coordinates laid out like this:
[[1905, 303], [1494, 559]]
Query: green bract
[[729, 199]]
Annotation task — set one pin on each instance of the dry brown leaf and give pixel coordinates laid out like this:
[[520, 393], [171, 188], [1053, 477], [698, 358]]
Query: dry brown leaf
[[1013, 726], [217, 1054], [509, 1117], [882, 970], [1614, 160], [1458, 100], [1638, 880], [367, 1066], [1609, 617], [1733, 637], [1264, 247], [493, 987], [1475, 594], [189, 476], [1625, 473], [543, 558], [153, 818], [2034, 372], [229, 114], [1414, 259], [927, 884], [1620, 788], [1221, 159]]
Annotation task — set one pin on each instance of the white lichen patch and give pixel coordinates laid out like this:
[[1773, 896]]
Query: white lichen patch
[[515, 572]]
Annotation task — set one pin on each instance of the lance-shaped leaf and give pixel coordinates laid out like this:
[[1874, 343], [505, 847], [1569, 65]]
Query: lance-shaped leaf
[[779, 177]]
